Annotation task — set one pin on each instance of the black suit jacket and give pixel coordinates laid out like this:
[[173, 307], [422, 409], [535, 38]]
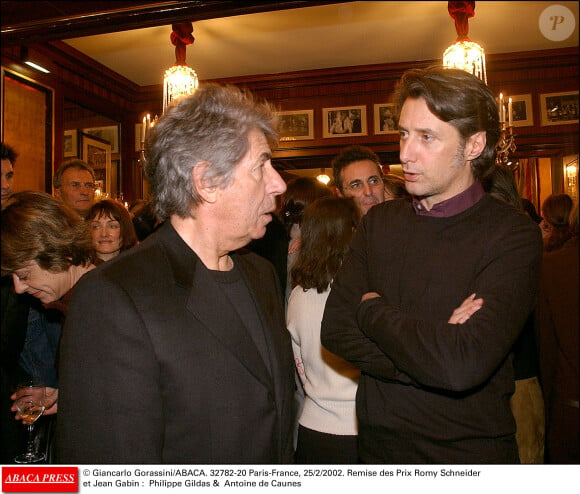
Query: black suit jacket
[[157, 367]]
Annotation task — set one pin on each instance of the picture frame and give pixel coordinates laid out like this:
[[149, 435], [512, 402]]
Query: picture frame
[[109, 133], [344, 121], [296, 125], [559, 108], [384, 119], [70, 145], [522, 110], [97, 153], [138, 132]]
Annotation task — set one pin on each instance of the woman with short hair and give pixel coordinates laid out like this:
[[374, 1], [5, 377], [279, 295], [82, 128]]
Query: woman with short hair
[[46, 248], [555, 225], [111, 228]]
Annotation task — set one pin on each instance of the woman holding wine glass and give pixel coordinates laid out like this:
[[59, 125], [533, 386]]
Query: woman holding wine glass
[[30, 403], [46, 248]]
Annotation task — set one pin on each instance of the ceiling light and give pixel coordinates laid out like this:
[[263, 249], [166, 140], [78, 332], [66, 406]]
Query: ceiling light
[[30, 63], [323, 177], [180, 79], [464, 54]]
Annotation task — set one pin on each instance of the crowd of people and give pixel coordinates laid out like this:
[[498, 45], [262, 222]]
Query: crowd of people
[[235, 318]]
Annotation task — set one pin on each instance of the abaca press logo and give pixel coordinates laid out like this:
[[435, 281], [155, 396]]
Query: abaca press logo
[[40, 479]]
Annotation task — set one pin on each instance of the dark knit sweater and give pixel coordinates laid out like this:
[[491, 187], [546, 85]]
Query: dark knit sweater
[[433, 392]]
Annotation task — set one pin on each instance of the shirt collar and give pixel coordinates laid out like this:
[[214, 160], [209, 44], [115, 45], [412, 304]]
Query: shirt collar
[[450, 207]]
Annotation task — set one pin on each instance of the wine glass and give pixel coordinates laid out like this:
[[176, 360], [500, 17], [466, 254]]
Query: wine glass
[[30, 403]]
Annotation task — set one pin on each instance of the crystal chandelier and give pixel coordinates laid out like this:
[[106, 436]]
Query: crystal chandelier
[[180, 79], [464, 54]]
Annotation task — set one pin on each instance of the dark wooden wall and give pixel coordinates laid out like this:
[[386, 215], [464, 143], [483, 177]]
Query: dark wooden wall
[[77, 78]]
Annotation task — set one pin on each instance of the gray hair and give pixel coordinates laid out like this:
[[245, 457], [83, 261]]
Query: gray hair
[[77, 165], [210, 126]]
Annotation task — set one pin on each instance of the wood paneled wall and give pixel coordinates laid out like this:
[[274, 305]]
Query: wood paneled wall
[[89, 84]]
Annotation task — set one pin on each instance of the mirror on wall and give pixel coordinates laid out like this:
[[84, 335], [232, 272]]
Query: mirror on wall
[[27, 126], [570, 166], [95, 139]]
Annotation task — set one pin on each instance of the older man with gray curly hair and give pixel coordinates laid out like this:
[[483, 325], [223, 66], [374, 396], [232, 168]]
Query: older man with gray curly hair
[[182, 339]]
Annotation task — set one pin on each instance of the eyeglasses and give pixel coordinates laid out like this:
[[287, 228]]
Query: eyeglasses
[[357, 185], [78, 185]]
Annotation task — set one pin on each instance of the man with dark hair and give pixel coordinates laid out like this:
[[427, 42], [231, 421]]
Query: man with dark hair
[[182, 339], [74, 184], [436, 290], [357, 174], [8, 160]]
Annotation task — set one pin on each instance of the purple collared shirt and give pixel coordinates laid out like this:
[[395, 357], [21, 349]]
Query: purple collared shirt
[[453, 206]]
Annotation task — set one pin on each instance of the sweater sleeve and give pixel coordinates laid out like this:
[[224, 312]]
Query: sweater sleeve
[[459, 357], [340, 332]]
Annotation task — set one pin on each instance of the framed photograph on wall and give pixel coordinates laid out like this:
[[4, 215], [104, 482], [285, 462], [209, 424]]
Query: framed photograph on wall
[[296, 125], [138, 133], [97, 153], [385, 119], [70, 145], [109, 133], [344, 121], [559, 108], [522, 111]]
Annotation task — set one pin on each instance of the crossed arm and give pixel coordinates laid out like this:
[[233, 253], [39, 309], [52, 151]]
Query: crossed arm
[[441, 346], [459, 316]]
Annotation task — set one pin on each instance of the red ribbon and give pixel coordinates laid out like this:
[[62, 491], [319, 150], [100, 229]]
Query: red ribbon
[[180, 37], [461, 12]]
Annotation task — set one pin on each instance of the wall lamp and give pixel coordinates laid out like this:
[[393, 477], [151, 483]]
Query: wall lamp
[[24, 58]]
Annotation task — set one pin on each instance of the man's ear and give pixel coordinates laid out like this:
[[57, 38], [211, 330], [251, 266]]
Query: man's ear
[[475, 145], [57, 193], [206, 190]]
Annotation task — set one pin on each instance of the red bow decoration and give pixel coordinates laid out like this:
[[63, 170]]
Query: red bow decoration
[[461, 12], [180, 37]]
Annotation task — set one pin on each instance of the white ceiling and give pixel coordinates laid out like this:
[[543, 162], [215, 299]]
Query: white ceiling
[[337, 35]]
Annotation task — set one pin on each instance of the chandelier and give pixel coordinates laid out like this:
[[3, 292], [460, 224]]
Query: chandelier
[[464, 54], [180, 79]]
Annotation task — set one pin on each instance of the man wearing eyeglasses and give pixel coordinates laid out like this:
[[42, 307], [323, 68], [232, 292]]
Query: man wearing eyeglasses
[[357, 174], [74, 184]]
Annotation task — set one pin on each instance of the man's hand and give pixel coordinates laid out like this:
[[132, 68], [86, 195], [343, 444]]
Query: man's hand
[[368, 296], [294, 245], [469, 307]]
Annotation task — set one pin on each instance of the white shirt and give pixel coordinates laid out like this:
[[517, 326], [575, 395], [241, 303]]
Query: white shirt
[[329, 381]]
